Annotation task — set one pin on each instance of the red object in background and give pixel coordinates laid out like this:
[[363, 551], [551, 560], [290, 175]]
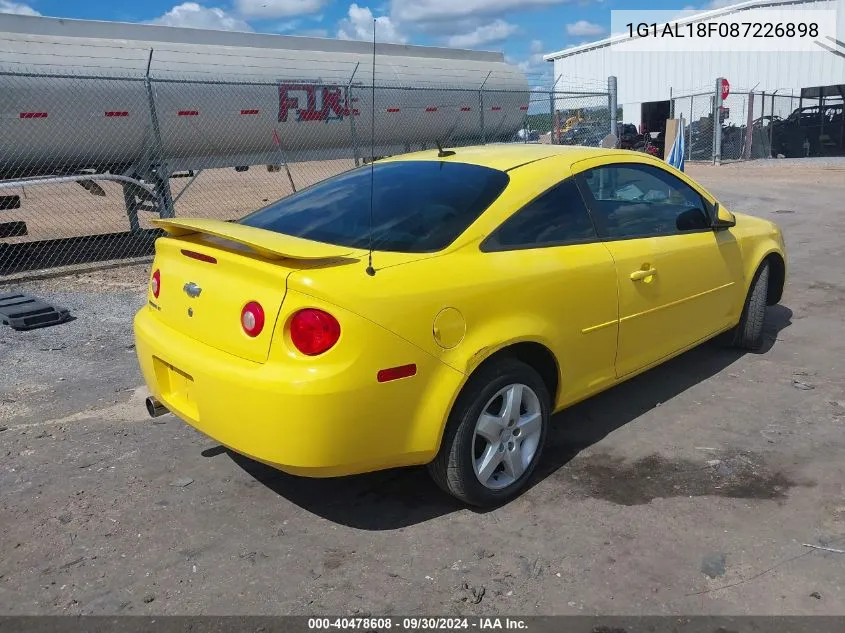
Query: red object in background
[[726, 89]]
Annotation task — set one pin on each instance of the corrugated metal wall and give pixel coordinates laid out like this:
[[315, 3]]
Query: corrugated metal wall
[[648, 76]]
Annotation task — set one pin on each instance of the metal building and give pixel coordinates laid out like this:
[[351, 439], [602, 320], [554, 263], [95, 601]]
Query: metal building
[[654, 85]]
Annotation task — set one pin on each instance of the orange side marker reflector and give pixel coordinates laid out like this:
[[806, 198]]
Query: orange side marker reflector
[[395, 373]]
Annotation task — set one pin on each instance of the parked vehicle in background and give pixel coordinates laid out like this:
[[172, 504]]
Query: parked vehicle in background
[[627, 135], [822, 128], [586, 134], [807, 131], [526, 136]]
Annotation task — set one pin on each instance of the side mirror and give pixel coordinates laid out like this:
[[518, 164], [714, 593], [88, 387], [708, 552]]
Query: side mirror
[[724, 219]]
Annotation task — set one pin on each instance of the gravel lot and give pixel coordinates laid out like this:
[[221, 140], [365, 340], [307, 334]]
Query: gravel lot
[[690, 489]]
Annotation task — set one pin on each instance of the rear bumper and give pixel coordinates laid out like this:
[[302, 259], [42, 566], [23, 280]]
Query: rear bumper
[[317, 418]]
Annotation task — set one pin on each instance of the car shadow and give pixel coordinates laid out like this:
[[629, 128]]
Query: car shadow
[[397, 498]]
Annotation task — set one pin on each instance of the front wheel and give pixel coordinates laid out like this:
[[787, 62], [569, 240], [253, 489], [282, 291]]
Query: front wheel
[[495, 434], [749, 333]]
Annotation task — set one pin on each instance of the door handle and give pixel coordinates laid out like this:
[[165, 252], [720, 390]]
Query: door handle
[[639, 275]]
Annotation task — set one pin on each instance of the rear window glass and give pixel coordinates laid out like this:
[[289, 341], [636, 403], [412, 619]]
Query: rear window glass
[[418, 206]]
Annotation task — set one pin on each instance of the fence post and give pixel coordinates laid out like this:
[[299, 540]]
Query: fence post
[[481, 114], [351, 105], [763, 132], [689, 141], [749, 132], [160, 175], [717, 123], [554, 134], [771, 126], [822, 97], [611, 103], [481, 107], [354, 139]]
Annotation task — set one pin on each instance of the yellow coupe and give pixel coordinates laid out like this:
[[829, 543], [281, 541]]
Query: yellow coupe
[[437, 307]]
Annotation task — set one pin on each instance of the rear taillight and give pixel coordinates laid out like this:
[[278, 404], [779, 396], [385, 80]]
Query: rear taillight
[[155, 283], [252, 318], [313, 331]]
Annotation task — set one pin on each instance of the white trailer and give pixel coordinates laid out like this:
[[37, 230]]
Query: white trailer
[[144, 102]]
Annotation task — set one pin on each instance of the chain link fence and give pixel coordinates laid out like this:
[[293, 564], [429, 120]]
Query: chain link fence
[[566, 117], [89, 160], [759, 124]]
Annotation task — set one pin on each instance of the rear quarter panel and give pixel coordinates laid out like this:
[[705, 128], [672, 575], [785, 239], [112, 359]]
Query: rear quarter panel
[[405, 298], [502, 298]]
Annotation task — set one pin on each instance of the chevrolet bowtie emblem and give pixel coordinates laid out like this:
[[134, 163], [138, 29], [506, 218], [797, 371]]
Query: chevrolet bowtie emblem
[[192, 290]]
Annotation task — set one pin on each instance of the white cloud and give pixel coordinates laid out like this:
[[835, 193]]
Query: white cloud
[[277, 8], [494, 32], [535, 65], [296, 27], [18, 8], [718, 4], [313, 33], [582, 28], [196, 16], [442, 30], [358, 25], [437, 10], [287, 27], [538, 71]]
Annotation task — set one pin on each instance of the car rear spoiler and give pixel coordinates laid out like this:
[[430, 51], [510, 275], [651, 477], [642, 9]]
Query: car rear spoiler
[[266, 243]]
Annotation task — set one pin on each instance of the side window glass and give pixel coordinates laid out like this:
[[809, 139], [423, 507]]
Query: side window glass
[[641, 200], [558, 216]]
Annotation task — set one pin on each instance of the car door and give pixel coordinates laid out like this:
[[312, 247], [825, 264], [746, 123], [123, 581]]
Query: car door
[[678, 278], [562, 273]]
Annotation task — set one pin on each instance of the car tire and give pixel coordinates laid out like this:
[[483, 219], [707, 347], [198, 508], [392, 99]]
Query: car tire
[[468, 445], [748, 334]]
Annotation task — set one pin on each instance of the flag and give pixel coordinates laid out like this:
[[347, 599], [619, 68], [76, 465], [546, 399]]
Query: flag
[[676, 155]]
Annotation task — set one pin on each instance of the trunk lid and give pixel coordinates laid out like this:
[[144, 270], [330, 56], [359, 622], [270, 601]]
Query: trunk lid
[[209, 270]]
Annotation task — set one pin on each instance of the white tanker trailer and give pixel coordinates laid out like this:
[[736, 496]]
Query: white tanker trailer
[[144, 102]]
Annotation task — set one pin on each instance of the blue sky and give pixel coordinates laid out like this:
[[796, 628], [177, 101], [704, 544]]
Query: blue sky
[[522, 29]]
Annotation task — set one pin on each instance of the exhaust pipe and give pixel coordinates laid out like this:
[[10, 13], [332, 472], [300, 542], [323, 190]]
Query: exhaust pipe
[[155, 408]]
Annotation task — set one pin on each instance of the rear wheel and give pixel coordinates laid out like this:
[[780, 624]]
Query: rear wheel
[[495, 434], [749, 333]]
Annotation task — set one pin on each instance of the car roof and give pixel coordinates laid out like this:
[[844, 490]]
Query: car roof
[[507, 156]]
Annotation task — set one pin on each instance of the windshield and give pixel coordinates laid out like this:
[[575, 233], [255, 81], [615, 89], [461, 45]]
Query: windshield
[[418, 206]]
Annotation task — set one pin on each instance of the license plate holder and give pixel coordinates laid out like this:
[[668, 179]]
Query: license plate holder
[[177, 387]]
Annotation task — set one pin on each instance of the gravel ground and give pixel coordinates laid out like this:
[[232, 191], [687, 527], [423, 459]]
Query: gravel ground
[[689, 489]]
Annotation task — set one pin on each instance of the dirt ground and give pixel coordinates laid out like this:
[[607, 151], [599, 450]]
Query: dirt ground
[[688, 490], [69, 210]]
